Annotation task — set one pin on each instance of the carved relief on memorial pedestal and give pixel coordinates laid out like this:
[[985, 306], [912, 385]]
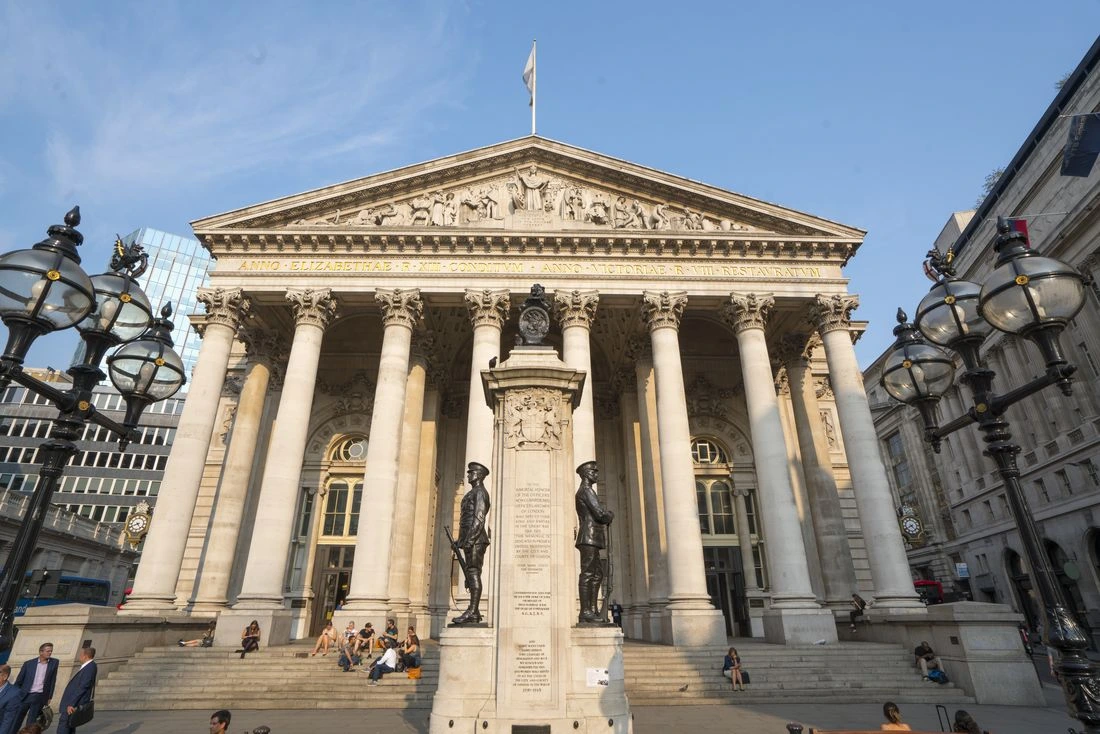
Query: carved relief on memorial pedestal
[[532, 419]]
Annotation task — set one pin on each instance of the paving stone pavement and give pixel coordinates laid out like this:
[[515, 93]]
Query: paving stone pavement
[[732, 719]]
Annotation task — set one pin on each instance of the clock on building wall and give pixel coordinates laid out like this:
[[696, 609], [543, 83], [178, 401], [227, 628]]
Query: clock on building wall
[[911, 526], [137, 525]]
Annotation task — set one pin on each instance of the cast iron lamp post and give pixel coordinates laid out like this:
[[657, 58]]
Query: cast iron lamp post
[[1034, 297], [43, 289]]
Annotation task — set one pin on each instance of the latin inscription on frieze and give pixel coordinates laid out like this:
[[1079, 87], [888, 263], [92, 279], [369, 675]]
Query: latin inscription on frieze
[[533, 266]]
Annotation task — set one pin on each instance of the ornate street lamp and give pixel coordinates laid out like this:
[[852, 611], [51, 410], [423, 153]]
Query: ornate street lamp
[[1035, 297], [44, 289]]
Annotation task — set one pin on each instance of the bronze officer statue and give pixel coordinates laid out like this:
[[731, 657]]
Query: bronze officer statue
[[473, 538], [593, 519]]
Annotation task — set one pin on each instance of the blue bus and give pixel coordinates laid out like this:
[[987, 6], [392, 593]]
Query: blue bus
[[67, 590]]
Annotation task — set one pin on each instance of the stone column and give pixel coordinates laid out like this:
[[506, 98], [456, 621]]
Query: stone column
[[162, 557], [576, 311], [408, 476], [794, 616], [790, 577], [368, 596], [835, 555], [263, 349], [744, 537], [692, 618], [878, 519], [488, 312], [640, 352], [265, 571], [636, 612], [427, 499]]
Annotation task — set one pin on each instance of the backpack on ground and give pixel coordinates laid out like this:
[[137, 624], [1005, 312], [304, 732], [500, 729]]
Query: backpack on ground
[[938, 676]]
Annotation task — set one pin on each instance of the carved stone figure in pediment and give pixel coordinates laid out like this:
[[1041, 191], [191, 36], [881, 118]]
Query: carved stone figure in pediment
[[692, 221], [438, 209], [659, 219], [516, 201], [572, 205], [598, 212], [534, 187], [380, 216], [421, 212]]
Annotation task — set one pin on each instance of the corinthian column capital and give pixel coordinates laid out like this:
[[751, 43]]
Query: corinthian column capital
[[400, 306], [488, 307], [794, 350], [748, 311], [263, 345], [663, 309], [830, 313], [576, 308], [313, 306], [225, 306]]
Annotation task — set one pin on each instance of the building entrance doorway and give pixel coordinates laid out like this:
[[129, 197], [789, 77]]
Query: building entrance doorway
[[726, 586], [331, 581]]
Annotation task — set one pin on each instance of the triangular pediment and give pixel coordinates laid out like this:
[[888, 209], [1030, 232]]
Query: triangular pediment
[[527, 185]]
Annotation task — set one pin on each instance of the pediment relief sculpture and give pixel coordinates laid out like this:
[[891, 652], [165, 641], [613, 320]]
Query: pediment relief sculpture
[[528, 197]]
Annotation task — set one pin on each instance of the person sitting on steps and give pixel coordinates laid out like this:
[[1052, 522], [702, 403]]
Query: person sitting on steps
[[325, 640], [926, 659], [731, 668], [207, 639], [250, 639], [858, 607]]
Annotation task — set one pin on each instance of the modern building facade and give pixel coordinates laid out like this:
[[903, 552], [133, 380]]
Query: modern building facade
[[178, 268], [971, 543], [723, 400]]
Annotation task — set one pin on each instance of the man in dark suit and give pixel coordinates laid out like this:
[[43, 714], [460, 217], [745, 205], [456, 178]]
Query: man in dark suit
[[78, 691], [11, 702], [37, 679]]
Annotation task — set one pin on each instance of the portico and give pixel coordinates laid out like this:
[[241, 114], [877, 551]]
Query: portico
[[338, 399]]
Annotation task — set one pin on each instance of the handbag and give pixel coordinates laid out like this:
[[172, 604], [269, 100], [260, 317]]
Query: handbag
[[745, 676], [84, 712]]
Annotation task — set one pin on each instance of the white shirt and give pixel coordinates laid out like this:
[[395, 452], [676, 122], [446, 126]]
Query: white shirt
[[389, 658], [39, 683]]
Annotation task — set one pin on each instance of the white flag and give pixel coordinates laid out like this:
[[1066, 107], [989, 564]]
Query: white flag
[[529, 74]]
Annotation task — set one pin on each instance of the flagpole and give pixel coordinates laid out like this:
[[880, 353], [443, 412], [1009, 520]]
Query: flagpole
[[534, 84]]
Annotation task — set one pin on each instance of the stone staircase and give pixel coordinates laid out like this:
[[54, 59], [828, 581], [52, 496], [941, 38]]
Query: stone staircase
[[286, 677], [847, 672]]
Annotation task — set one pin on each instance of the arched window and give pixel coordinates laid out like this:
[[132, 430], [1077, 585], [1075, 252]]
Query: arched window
[[350, 448], [713, 487]]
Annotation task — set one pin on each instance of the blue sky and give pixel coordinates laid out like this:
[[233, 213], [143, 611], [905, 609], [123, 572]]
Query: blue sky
[[882, 116]]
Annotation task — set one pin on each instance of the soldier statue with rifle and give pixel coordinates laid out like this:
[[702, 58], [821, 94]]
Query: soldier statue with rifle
[[473, 539]]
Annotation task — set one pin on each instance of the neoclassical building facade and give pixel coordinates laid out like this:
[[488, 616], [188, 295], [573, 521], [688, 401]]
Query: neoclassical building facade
[[338, 396]]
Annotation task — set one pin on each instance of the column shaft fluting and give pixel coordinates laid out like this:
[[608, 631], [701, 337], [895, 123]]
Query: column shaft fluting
[[687, 586], [653, 493], [369, 591], [637, 606], [787, 570], [162, 556], [212, 592], [744, 539], [890, 572], [265, 570]]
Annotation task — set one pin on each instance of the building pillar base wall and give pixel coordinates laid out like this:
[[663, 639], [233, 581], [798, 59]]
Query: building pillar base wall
[[694, 627], [275, 626], [978, 643], [799, 626]]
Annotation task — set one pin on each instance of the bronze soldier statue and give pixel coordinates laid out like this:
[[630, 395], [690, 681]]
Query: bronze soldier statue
[[593, 520], [473, 538]]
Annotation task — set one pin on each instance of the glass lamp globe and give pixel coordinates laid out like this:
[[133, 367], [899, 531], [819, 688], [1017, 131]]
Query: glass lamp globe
[[147, 369], [950, 312], [44, 288], [1027, 290], [122, 307], [915, 372]]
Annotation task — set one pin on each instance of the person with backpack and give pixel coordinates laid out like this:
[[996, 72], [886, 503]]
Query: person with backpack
[[927, 658]]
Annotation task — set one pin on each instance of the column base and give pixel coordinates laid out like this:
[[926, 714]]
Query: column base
[[149, 605], [275, 626], [366, 610], [899, 604], [208, 606], [785, 626], [695, 626]]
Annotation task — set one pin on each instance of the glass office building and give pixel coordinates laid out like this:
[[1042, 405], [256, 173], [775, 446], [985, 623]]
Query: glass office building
[[178, 267]]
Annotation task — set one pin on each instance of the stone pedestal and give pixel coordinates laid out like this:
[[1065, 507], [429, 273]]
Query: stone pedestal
[[530, 666], [799, 626], [274, 624]]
